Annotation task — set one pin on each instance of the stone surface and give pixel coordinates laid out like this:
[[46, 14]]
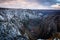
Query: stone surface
[[12, 21]]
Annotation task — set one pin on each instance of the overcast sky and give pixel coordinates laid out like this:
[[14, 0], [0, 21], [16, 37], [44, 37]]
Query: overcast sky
[[29, 4]]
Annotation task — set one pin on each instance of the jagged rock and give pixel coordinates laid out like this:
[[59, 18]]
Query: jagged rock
[[36, 23]]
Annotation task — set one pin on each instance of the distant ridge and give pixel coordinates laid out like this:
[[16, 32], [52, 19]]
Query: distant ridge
[[26, 9], [37, 11]]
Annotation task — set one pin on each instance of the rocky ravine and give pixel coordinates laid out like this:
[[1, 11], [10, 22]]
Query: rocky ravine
[[12, 27]]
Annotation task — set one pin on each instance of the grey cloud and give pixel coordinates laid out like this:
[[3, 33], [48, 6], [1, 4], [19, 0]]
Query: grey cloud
[[45, 2]]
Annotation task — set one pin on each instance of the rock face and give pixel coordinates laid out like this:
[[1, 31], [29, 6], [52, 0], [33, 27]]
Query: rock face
[[9, 25], [36, 23]]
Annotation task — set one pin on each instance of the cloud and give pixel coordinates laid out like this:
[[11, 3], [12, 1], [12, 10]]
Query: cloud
[[26, 4], [2, 1], [22, 4], [56, 6], [47, 2]]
